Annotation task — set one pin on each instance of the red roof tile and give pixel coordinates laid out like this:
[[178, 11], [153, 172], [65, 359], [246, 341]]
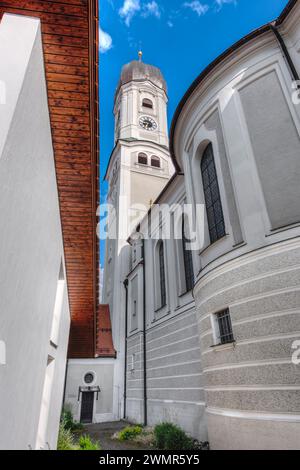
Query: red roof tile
[[105, 346]]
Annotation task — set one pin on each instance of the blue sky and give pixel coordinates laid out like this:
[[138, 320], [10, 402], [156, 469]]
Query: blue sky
[[180, 37]]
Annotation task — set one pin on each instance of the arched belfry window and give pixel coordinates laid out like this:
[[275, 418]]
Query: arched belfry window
[[162, 274], [187, 260], [215, 217], [155, 161], [143, 159], [147, 103]]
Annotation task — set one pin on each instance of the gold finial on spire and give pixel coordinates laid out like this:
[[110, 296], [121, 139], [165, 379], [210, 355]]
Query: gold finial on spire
[[140, 53]]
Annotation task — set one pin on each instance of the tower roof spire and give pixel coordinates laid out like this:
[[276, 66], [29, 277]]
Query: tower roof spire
[[138, 71], [140, 54]]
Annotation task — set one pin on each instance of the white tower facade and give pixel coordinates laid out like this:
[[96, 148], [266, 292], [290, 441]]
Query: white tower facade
[[141, 104], [139, 168], [141, 135]]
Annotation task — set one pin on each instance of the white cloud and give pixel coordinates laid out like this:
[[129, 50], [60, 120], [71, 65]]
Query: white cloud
[[151, 9], [105, 41], [197, 7], [220, 3], [129, 10], [170, 24]]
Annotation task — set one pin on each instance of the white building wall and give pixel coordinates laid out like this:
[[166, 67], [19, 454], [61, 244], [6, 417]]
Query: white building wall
[[175, 389], [31, 248], [103, 371], [251, 385]]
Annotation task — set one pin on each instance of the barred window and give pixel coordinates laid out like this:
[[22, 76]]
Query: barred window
[[215, 217], [143, 159], [225, 327], [187, 260], [162, 275]]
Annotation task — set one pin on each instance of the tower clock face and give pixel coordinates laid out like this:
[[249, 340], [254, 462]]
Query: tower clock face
[[146, 122]]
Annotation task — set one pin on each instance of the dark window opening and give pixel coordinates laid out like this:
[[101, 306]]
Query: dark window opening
[[215, 217], [155, 161], [89, 378], [187, 260], [143, 159], [225, 327], [147, 103], [162, 275]]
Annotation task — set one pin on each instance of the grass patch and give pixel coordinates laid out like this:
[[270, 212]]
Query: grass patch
[[137, 434], [130, 433], [86, 443], [67, 440]]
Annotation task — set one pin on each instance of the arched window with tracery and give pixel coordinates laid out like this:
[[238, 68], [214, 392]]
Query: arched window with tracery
[[162, 274], [187, 259], [214, 210]]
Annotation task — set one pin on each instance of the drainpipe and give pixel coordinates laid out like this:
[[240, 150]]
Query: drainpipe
[[65, 384], [144, 338], [285, 52], [125, 352]]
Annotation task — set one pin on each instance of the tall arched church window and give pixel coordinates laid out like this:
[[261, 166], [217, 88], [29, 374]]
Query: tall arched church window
[[147, 103], [162, 275], [215, 217], [155, 161], [187, 260], [143, 159]]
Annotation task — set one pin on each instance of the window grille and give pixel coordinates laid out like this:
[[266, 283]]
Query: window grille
[[225, 327], [162, 275], [188, 261], [215, 217]]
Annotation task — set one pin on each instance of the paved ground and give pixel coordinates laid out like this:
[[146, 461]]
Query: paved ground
[[103, 432]]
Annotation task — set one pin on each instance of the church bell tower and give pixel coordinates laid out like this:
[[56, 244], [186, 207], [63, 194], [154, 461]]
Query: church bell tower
[[141, 161], [141, 104]]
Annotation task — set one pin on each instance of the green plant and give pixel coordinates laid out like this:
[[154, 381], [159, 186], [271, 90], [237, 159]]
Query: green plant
[[86, 443], [68, 420], [178, 440], [65, 438], [168, 436], [129, 433], [160, 433]]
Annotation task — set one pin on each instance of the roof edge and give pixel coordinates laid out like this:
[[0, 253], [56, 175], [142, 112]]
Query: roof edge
[[285, 13]]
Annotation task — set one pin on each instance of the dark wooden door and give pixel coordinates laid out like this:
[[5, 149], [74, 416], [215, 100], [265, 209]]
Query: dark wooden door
[[87, 406]]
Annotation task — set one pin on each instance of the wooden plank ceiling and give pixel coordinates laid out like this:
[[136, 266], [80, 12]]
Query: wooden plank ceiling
[[70, 42]]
